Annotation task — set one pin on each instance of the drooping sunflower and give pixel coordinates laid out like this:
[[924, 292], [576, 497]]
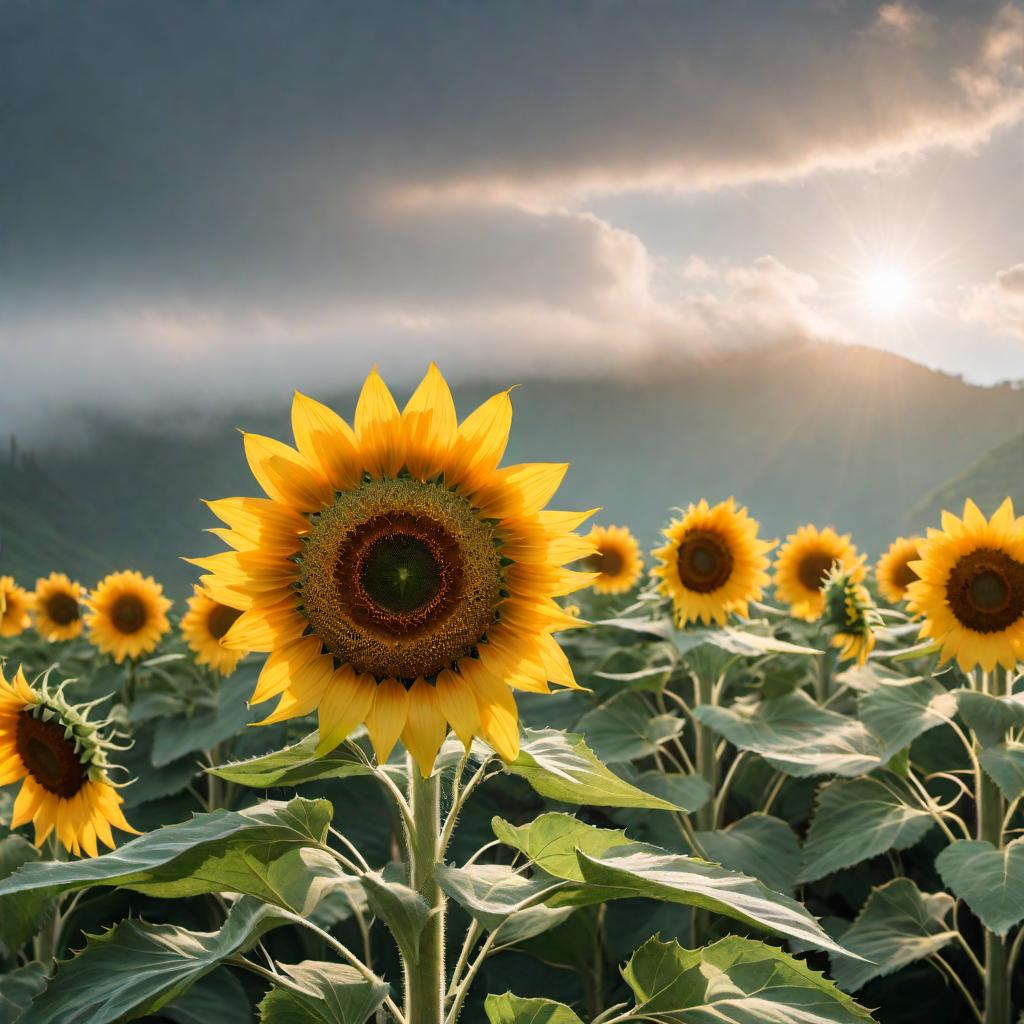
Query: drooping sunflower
[[15, 605], [803, 563], [893, 571], [58, 607], [203, 626], [617, 560], [127, 615], [971, 587], [62, 759], [850, 615], [714, 564], [396, 575]]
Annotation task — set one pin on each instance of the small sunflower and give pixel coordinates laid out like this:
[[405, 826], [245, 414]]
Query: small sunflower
[[203, 626], [58, 607], [396, 575], [62, 759], [850, 614], [127, 615], [803, 563], [15, 605], [971, 587], [713, 564], [893, 571], [617, 560]]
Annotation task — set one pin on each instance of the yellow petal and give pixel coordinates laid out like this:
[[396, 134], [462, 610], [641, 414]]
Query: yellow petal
[[429, 425], [458, 705], [499, 719], [345, 704], [425, 726], [385, 719], [285, 475], [480, 443], [326, 441], [378, 428], [265, 629], [281, 665], [521, 490]]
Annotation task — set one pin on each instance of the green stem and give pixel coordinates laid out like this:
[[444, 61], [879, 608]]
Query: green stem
[[425, 979], [707, 765], [824, 682]]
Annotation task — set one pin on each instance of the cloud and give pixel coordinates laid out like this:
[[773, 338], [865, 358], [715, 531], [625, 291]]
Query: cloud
[[999, 303]]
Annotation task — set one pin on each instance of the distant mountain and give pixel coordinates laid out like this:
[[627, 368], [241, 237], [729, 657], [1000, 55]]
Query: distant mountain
[[845, 435]]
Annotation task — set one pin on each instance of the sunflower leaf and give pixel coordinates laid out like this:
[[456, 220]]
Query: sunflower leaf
[[293, 766], [758, 845], [333, 994], [989, 881], [510, 1009], [626, 729], [17, 924], [899, 711], [1005, 765], [18, 989], [403, 909], [990, 717]]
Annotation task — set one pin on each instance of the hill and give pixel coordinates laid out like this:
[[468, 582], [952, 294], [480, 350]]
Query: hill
[[846, 435]]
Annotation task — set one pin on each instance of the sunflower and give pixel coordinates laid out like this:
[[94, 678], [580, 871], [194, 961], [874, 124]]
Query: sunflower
[[203, 626], [395, 575], [893, 570], [15, 604], [971, 587], [713, 564], [850, 614], [58, 608], [804, 562], [62, 759], [127, 615], [617, 560]]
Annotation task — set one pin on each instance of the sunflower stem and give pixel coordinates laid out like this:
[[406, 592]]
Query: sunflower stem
[[425, 978], [707, 764]]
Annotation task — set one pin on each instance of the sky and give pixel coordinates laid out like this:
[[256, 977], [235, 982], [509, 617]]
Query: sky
[[212, 201]]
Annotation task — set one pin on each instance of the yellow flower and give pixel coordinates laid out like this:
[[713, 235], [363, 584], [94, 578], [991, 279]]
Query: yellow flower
[[851, 614], [203, 626], [15, 605], [396, 575], [57, 606], [971, 587], [127, 615], [713, 564], [61, 757], [893, 571], [803, 563], [617, 560]]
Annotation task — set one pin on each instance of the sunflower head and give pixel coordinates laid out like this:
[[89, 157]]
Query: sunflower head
[[850, 615], [58, 607], [15, 605], [127, 615], [616, 559], [395, 574], [893, 571], [803, 564], [60, 756], [714, 564], [970, 589], [203, 626]]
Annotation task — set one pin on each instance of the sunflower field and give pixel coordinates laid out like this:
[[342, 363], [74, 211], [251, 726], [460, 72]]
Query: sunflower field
[[424, 747]]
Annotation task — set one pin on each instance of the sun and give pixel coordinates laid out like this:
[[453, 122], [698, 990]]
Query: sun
[[887, 290]]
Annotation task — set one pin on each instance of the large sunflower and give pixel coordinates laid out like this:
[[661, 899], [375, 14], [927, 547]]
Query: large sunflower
[[893, 571], [971, 587], [15, 604], [203, 626], [397, 576], [61, 757], [58, 608], [617, 561], [127, 615], [804, 562], [713, 564]]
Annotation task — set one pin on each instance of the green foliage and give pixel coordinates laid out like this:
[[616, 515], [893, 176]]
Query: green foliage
[[510, 1009], [758, 845], [989, 881], [293, 766], [322, 993]]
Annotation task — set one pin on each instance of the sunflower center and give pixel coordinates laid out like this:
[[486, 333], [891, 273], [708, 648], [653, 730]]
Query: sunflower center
[[608, 563], [128, 614], [401, 578], [986, 590], [903, 575], [814, 568], [62, 609], [221, 619], [48, 755], [704, 561]]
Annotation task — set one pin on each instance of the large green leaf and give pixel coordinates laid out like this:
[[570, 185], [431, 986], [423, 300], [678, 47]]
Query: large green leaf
[[898, 925], [900, 711], [552, 842], [625, 729], [510, 1009], [332, 994], [217, 996], [733, 981], [796, 736], [562, 767], [990, 717], [856, 819], [293, 766], [135, 968], [403, 909], [758, 845], [16, 927], [989, 881], [18, 989], [1005, 764]]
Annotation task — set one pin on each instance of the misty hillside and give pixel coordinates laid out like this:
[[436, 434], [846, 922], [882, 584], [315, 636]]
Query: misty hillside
[[851, 436]]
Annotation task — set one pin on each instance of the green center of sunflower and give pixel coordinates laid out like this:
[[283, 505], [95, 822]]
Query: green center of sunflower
[[221, 619], [813, 569], [400, 573], [704, 561], [986, 590], [62, 609], [48, 755], [128, 614]]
